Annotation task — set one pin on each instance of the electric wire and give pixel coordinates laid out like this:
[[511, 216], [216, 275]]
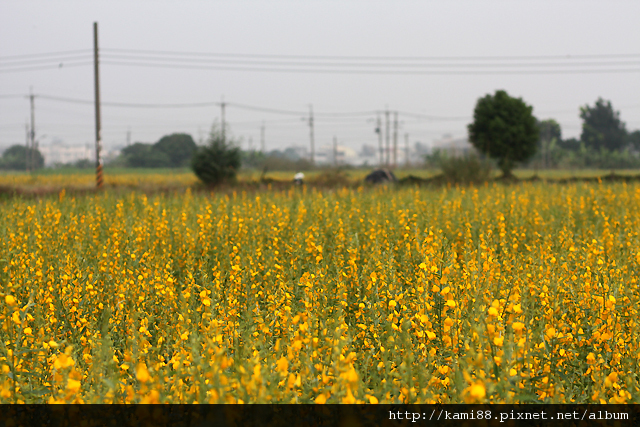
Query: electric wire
[[367, 71], [33, 62], [46, 67], [33, 55], [390, 58], [356, 64]]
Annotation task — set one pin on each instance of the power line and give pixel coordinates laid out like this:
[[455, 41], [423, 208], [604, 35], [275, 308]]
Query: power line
[[367, 71], [367, 58], [360, 64], [429, 117], [132, 105], [46, 67], [12, 63], [33, 55]]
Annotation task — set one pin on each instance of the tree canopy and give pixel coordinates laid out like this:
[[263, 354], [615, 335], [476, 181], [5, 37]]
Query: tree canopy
[[602, 127], [179, 148], [171, 151], [505, 129], [15, 158]]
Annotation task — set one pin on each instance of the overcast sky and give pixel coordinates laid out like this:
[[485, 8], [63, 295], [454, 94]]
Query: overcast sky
[[419, 31]]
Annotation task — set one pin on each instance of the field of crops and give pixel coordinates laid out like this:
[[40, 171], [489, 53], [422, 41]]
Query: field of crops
[[53, 180], [521, 293]]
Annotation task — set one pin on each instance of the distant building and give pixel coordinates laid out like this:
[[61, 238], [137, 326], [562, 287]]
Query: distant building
[[455, 147], [59, 153], [342, 155]]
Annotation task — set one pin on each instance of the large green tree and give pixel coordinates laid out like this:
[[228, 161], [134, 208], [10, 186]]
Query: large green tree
[[505, 129], [179, 148], [15, 158], [602, 127]]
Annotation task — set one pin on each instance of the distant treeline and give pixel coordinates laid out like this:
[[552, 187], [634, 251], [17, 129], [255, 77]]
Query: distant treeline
[[171, 151]]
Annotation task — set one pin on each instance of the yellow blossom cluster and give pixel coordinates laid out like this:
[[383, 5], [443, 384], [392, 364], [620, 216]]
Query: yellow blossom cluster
[[499, 294]]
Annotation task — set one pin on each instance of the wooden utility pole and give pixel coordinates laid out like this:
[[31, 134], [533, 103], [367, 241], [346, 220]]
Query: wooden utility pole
[[380, 147], [28, 137], [388, 148], [96, 72], [311, 132], [32, 133], [262, 138], [395, 139]]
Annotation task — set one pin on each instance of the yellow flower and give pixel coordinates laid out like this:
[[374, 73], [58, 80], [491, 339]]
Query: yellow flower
[[475, 392], [321, 399], [351, 375], [282, 364], [611, 379], [10, 300], [73, 385], [517, 326], [493, 312], [142, 374]]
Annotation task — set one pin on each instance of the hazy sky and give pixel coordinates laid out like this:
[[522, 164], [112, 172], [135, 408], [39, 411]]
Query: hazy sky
[[352, 29]]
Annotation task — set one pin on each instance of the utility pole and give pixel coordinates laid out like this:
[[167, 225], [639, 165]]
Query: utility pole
[[406, 150], [32, 134], [386, 113], [250, 143], [262, 137], [311, 132], [379, 132], [335, 151], [222, 105], [395, 139], [27, 136], [96, 72]]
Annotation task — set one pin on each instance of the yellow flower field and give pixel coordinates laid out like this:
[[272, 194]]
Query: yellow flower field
[[525, 293]]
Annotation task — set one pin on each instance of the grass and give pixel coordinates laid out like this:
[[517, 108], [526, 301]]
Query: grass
[[522, 293]]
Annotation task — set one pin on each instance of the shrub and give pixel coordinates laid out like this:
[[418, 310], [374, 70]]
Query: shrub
[[216, 162], [468, 169]]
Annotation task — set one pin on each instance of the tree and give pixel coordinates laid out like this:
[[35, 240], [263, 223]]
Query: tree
[[601, 127], [216, 162], [505, 129], [178, 147], [15, 158], [550, 134], [141, 155]]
